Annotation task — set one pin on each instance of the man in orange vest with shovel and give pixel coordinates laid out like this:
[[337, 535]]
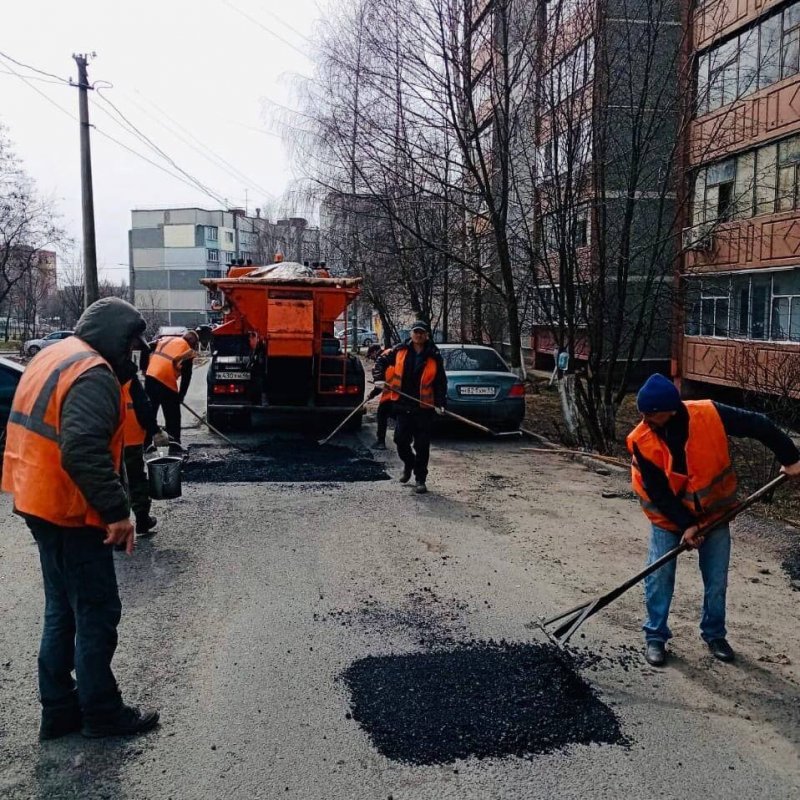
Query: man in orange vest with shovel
[[681, 471], [170, 361], [63, 465], [416, 369]]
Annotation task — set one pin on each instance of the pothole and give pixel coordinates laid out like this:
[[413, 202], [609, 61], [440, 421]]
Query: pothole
[[283, 460]]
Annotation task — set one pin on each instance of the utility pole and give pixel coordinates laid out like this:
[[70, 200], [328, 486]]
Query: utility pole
[[90, 285]]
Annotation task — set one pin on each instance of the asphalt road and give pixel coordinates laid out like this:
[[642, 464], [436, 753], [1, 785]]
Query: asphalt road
[[244, 613]]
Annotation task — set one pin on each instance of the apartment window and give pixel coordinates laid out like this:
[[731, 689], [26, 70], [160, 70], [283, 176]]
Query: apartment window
[[715, 191], [790, 42], [755, 59], [230, 258], [213, 273], [546, 305], [581, 234], [229, 237], [572, 73], [211, 233], [766, 179], [245, 256], [785, 318], [212, 255], [788, 163], [753, 306]]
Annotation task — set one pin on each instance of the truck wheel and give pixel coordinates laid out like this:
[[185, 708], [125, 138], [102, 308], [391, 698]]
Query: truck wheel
[[217, 419]]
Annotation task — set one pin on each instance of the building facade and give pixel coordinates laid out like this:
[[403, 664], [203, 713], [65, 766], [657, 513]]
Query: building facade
[[741, 266], [172, 249], [606, 126]]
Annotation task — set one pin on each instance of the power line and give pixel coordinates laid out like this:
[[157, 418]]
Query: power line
[[35, 69], [150, 143], [209, 154], [31, 77], [108, 136], [265, 28]]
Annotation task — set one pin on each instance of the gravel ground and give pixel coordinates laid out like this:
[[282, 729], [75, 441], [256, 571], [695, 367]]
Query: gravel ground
[[262, 617]]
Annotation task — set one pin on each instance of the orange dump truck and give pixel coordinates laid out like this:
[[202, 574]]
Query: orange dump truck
[[276, 351]]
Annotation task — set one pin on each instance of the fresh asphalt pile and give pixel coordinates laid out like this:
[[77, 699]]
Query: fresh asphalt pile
[[282, 459], [479, 699]]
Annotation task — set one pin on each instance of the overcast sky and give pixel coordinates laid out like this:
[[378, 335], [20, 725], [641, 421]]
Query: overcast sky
[[194, 65]]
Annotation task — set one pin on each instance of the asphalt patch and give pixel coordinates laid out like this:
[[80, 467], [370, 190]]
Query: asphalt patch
[[283, 461], [482, 699]]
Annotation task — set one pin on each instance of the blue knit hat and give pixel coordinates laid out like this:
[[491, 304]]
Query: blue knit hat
[[658, 394]]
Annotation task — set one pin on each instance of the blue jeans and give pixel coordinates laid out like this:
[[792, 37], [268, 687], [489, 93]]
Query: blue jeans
[[714, 555], [82, 611]]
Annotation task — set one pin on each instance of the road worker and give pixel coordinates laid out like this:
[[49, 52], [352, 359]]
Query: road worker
[[170, 361], [140, 425], [417, 370], [385, 404], [682, 473], [63, 465]]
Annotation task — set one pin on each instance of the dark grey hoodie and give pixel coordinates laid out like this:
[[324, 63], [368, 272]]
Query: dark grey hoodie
[[90, 414]]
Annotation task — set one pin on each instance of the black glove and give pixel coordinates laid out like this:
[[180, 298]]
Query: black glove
[[375, 392]]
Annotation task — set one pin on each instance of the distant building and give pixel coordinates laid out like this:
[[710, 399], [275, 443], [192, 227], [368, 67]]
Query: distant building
[[172, 249]]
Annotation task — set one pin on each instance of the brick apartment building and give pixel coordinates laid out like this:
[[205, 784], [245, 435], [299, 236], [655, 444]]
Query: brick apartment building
[[741, 263]]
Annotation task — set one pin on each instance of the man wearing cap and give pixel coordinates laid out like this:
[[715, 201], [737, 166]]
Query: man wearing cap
[[63, 465], [681, 471], [414, 368]]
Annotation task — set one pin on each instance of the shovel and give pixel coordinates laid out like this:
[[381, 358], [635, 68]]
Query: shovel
[[453, 415], [560, 628], [343, 422], [204, 421]]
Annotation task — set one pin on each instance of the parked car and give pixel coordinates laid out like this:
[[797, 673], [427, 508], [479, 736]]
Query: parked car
[[10, 375], [33, 346], [481, 386], [360, 337]]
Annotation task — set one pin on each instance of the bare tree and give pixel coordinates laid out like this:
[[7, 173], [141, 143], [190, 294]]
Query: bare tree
[[27, 227]]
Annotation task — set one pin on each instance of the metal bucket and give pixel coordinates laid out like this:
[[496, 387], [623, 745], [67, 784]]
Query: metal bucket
[[164, 474]]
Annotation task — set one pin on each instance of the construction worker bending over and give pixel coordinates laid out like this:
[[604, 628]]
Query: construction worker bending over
[[172, 359], [140, 424], [63, 465], [417, 370], [682, 473]]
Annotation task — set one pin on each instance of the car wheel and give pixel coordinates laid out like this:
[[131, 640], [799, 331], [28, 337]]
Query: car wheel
[[33, 350], [367, 342]]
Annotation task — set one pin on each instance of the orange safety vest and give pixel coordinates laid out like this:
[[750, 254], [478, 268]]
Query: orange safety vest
[[386, 394], [166, 359], [134, 434], [32, 469], [709, 488], [395, 381]]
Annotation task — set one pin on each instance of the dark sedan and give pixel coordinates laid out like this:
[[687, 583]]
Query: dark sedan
[[481, 386]]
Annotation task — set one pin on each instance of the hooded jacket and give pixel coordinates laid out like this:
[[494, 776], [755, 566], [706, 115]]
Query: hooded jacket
[[91, 409]]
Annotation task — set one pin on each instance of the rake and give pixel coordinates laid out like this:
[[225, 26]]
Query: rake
[[560, 628], [458, 417]]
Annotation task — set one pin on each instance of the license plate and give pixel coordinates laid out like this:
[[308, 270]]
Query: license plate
[[481, 391], [233, 376]]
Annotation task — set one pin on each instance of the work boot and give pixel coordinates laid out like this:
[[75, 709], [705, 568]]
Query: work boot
[[57, 723], [655, 654], [721, 649], [406, 476], [420, 487], [144, 526], [128, 721]]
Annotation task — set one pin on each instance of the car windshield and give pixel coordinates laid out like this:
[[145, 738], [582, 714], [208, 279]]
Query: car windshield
[[473, 359]]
